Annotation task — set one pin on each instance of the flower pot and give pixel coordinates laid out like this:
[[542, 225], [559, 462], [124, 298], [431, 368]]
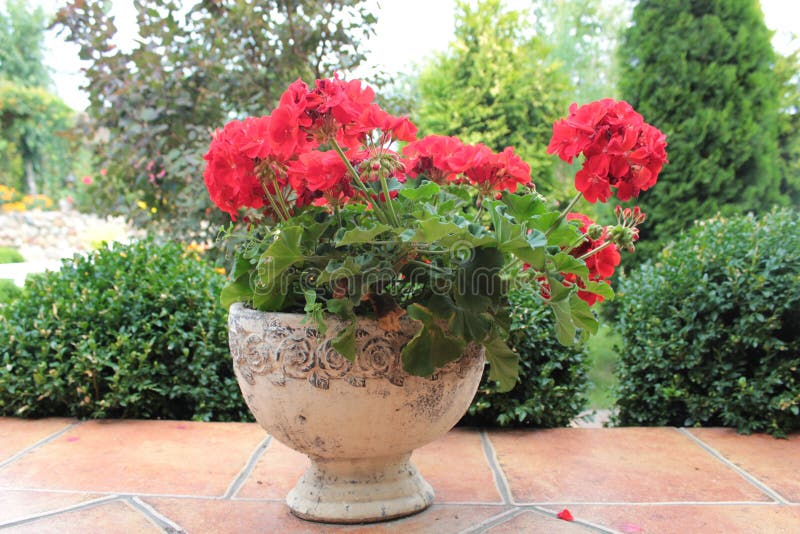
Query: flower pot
[[357, 422]]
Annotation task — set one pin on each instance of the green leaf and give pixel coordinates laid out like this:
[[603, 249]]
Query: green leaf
[[280, 255], [362, 234], [600, 288], [431, 347], [564, 263], [565, 328], [314, 311], [503, 364], [522, 207], [237, 290], [345, 341], [582, 315], [434, 229], [426, 191], [335, 270], [342, 307]]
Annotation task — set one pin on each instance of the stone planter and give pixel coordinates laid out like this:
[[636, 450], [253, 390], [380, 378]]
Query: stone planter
[[359, 422]]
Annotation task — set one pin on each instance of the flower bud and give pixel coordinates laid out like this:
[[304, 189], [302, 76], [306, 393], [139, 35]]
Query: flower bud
[[595, 232]]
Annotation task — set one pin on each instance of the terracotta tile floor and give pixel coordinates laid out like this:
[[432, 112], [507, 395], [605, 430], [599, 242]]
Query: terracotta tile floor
[[64, 476]]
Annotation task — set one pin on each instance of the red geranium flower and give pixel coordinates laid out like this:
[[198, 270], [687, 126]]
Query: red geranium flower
[[621, 151]]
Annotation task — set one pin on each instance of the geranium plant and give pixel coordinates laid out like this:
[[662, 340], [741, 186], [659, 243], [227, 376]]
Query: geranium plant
[[347, 212]]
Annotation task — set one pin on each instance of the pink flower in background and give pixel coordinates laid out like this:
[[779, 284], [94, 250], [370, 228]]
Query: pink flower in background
[[87, 180]]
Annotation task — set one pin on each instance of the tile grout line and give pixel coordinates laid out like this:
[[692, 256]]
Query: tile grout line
[[494, 465], [39, 443], [744, 474], [492, 521], [247, 470], [582, 522], [162, 521], [58, 511]]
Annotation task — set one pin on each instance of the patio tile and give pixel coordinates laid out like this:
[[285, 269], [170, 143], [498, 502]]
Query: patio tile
[[115, 517], [234, 516], [275, 473], [156, 457], [775, 462], [535, 522], [456, 467], [16, 504], [712, 518], [17, 434], [615, 465]]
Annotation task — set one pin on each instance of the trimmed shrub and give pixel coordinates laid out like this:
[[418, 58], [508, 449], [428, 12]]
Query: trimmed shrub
[[711, 330], [10, 255], [9, 291], [552, 385], [130, 331]]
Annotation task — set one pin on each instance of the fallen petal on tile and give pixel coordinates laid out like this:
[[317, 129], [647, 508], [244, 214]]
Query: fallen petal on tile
[[565, 515]]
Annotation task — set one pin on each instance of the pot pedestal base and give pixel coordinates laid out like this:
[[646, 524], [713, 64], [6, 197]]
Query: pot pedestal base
[[361, 490]]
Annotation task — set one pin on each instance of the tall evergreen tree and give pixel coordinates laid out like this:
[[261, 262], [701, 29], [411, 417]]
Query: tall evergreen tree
[[22, 45], [702, 72]]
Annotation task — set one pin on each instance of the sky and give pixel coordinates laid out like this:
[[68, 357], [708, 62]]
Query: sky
[[402, 38]]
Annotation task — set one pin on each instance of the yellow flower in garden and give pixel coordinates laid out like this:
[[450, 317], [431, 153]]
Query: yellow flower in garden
[[142, 204], [220, 270]]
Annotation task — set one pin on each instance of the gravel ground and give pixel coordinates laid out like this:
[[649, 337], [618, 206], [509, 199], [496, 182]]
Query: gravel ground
[[44, 237]]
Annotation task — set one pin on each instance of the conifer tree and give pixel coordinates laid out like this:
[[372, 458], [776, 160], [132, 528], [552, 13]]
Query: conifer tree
[[702, 72]]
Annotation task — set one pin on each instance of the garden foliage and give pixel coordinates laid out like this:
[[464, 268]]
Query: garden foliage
[[551, 389], [702, 72], [128, 331], [711, 329], [152, 107], [35, 154]]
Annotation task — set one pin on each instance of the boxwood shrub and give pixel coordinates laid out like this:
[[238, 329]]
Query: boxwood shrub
[[130, 331], [711, 329], [553, 381]]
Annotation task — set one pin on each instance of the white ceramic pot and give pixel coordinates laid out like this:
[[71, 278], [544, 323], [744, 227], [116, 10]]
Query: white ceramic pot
[[357, 422]]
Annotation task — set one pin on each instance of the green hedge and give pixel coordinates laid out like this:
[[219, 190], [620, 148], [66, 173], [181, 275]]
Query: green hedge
[[552, 385], [128, 331], [711, 330], [10, 255]]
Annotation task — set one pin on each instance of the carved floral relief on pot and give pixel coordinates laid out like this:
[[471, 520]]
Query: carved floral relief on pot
[[279, 351]]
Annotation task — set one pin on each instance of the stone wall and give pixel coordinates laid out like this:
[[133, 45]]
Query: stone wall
[[50, 235]]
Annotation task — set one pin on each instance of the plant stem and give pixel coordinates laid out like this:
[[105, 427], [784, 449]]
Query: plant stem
[[388, 201], [563, 214], [426, 265], [595, 251], [360, 184], [281, 200], [272, 202], [577, 242]]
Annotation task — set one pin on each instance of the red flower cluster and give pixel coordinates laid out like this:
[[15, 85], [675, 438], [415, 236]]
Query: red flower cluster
[[601, 265], [252, 159], [620, 149], [447, 160]]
